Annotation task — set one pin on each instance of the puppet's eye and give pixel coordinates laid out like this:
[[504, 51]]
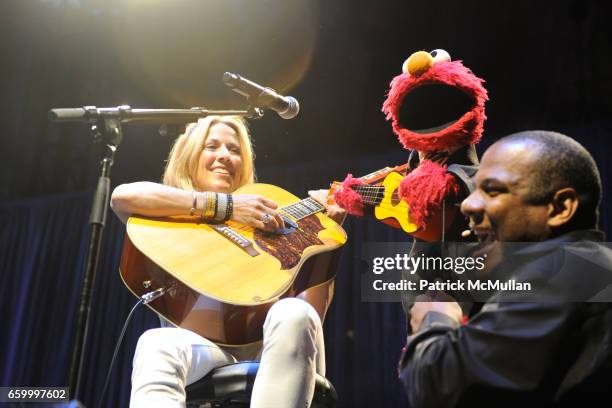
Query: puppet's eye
[[439, 55]]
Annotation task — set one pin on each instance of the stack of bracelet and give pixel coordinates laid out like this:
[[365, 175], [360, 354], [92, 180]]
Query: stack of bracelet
[[216, 206]]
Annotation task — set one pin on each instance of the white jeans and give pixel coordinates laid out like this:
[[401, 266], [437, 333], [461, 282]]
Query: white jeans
[[168, 359]]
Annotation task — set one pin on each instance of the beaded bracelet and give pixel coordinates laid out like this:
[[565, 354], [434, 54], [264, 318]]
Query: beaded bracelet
[[215, 204], [210, 200], [204, 206]]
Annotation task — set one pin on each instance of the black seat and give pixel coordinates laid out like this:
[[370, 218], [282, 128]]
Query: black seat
[[231, 386]]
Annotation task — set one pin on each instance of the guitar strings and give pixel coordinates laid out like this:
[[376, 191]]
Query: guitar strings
[[375, 194], [371, 192], [300, 210]]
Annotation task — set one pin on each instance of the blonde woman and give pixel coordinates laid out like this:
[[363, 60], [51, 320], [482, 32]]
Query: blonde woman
[[208, 162]]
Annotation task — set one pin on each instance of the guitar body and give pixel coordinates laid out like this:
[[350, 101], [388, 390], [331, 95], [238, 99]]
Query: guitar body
[[221, 283], [392, 210]]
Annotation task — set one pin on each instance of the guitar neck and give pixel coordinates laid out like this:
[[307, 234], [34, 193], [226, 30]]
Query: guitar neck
[[371, 192], [370, 195], [302, 208]]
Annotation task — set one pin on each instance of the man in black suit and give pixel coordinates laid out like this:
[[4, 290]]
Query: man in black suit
[[544, 348]]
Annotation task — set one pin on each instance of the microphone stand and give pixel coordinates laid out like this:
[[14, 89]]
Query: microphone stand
[[106, 127]]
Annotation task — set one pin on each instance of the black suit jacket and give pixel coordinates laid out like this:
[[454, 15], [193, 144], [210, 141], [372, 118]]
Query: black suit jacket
[[536, 353]]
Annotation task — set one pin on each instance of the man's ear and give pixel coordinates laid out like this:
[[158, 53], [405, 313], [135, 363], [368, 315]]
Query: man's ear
[[562, 207]]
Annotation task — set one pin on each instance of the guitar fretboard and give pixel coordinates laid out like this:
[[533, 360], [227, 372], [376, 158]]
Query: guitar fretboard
[[302, 208], [371, 195]]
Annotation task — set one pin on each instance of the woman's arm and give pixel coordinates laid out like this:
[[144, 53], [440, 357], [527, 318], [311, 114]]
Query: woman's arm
[[158, 200], [151, 199]]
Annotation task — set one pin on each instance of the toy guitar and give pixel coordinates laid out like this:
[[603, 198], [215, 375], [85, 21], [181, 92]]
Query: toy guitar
[[381, 193]]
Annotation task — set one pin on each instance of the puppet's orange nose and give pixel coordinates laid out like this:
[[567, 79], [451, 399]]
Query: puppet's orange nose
[[418, 63]]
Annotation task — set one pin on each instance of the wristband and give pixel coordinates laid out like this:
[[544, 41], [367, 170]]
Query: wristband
[[194, 205], [230, 207], [221, 212]]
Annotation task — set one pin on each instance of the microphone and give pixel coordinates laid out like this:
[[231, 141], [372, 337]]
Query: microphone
[[287, 107]]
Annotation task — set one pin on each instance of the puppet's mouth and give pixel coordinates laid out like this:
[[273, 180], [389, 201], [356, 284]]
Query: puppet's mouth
[[433, 107]]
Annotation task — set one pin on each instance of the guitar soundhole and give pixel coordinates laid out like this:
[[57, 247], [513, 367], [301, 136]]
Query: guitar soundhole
[[288, 248], [395, 198]]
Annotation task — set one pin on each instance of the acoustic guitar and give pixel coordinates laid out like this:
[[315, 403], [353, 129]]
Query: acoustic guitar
[[220, 280]]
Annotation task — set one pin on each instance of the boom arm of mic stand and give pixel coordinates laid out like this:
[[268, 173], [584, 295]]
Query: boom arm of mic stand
[[125, 114]]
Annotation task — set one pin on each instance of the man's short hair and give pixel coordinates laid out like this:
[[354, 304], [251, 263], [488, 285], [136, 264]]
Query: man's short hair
[[562, 162]]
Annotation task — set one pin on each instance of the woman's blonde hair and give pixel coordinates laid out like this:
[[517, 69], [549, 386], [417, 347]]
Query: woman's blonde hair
[[182, 164]]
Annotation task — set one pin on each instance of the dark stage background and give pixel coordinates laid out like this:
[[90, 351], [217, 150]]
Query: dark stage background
[[547, 66]]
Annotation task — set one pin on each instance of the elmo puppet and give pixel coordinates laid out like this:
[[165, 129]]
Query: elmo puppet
[[437, 110]]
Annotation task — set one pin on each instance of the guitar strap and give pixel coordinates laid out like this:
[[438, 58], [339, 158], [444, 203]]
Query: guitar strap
[[464, 173], [413, 161]]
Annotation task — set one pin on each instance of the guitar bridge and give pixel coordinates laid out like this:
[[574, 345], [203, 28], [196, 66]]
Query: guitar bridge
[[236, 238]]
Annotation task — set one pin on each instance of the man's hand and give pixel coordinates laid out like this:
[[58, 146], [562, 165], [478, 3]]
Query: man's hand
[[332, 210], [441, 303]]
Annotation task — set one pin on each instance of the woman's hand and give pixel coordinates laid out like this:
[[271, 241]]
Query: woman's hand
[[333, 211], [250, 209]]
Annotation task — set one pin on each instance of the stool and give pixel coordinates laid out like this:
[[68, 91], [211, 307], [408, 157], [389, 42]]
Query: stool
[[230, 386]]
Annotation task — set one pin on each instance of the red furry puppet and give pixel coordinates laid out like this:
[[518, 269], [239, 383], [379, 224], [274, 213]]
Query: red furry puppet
[[437, 109]]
